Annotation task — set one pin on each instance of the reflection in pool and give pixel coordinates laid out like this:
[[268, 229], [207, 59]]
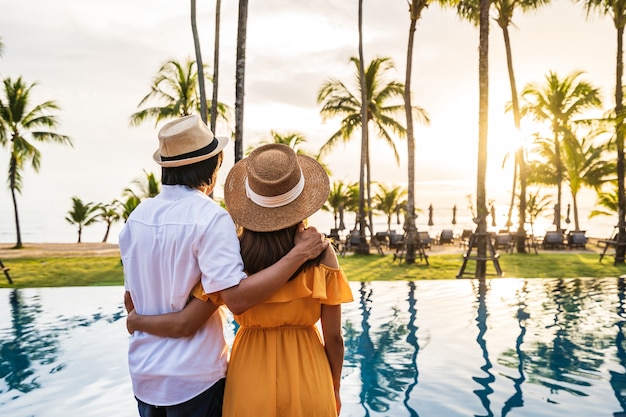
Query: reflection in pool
[[517, 347]]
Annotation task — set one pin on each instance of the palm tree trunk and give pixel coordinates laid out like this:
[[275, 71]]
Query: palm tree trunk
[[196, 45], [12, 173], [409, 224], [483, 120], [216, 65], [18, 244], [363, 247], [619, 134], [520, 164], [106, 233], [239, 77], [559, 178]]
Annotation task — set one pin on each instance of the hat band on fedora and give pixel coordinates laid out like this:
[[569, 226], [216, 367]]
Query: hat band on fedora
[[203, 151], [276, 200]]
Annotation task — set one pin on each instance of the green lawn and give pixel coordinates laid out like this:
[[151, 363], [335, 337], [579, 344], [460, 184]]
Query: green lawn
[[92, 271]]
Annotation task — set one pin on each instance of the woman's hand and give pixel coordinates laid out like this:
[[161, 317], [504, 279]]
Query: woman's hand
[[132, 315]]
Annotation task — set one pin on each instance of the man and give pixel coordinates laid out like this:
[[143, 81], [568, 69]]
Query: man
[[168, 244]]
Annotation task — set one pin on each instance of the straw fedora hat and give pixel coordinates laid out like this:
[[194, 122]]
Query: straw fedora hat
[[185, 141], [274, 188]]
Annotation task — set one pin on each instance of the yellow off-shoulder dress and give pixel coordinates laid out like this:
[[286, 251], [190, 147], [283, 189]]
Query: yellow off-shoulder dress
[[278, 366]]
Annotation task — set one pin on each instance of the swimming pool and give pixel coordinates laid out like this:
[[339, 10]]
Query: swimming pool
[[510, 347]]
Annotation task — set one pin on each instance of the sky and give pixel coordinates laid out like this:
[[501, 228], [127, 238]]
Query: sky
[[96, 59]]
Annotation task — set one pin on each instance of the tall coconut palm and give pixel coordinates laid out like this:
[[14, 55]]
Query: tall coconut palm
[[82, 215], [21, 123], [616, 9], [483, 122], [477, 12], [416, 7], [558, 102], [365, 167], [175, 88], [504, 10], [240, 72], [216, 64], [199, 65], [339, 101]]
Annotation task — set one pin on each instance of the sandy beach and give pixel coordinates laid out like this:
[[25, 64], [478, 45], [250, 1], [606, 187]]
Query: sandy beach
[[89, 249], [58, 249]]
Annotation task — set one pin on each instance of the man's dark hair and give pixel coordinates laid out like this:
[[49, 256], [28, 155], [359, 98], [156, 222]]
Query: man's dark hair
[[193, 175]]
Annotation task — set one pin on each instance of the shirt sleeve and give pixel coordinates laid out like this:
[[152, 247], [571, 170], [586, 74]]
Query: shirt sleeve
[[219, 255]]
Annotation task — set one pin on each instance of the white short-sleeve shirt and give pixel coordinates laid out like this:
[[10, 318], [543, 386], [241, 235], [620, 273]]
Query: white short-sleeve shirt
[[167, 245]]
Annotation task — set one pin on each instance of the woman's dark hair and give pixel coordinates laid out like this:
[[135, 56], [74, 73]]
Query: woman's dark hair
[[262, 249], [193, 175]]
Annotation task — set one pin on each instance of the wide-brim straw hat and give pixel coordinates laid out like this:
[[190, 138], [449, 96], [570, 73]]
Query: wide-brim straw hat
[[274, 188], [185, 141]]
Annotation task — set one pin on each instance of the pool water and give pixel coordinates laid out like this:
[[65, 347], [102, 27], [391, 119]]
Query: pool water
[[508, 347]]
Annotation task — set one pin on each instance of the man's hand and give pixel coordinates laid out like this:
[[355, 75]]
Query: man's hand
[[310, 242]]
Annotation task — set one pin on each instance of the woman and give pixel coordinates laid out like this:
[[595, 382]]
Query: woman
[[279, 365]]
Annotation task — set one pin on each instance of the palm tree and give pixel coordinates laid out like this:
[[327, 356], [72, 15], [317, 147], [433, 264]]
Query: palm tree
[[240, 72], [20, 125], [128, 205], [1, 47], [109, 214], [557, 102], [364, 166], [82, 214], [415, 12], [483, 121], [175, 87], [142, 188], [388, 199], [338, 199], [339, 101], [292, 139], [537, 204], [584, 165], [608, 202], [200, 66], [617, 11], [216, 64], [504, 18]]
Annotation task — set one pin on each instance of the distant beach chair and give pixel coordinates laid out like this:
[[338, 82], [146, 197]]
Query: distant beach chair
[[576, 239], [504, 241], [446, 236], [425, 239], [465, 237], [553, 240]]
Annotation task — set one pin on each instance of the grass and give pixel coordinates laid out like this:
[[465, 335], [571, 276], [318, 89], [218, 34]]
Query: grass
[[94, 271]]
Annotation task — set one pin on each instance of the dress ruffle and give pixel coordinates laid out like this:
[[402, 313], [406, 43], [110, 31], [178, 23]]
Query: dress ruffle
[[328, 285]]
